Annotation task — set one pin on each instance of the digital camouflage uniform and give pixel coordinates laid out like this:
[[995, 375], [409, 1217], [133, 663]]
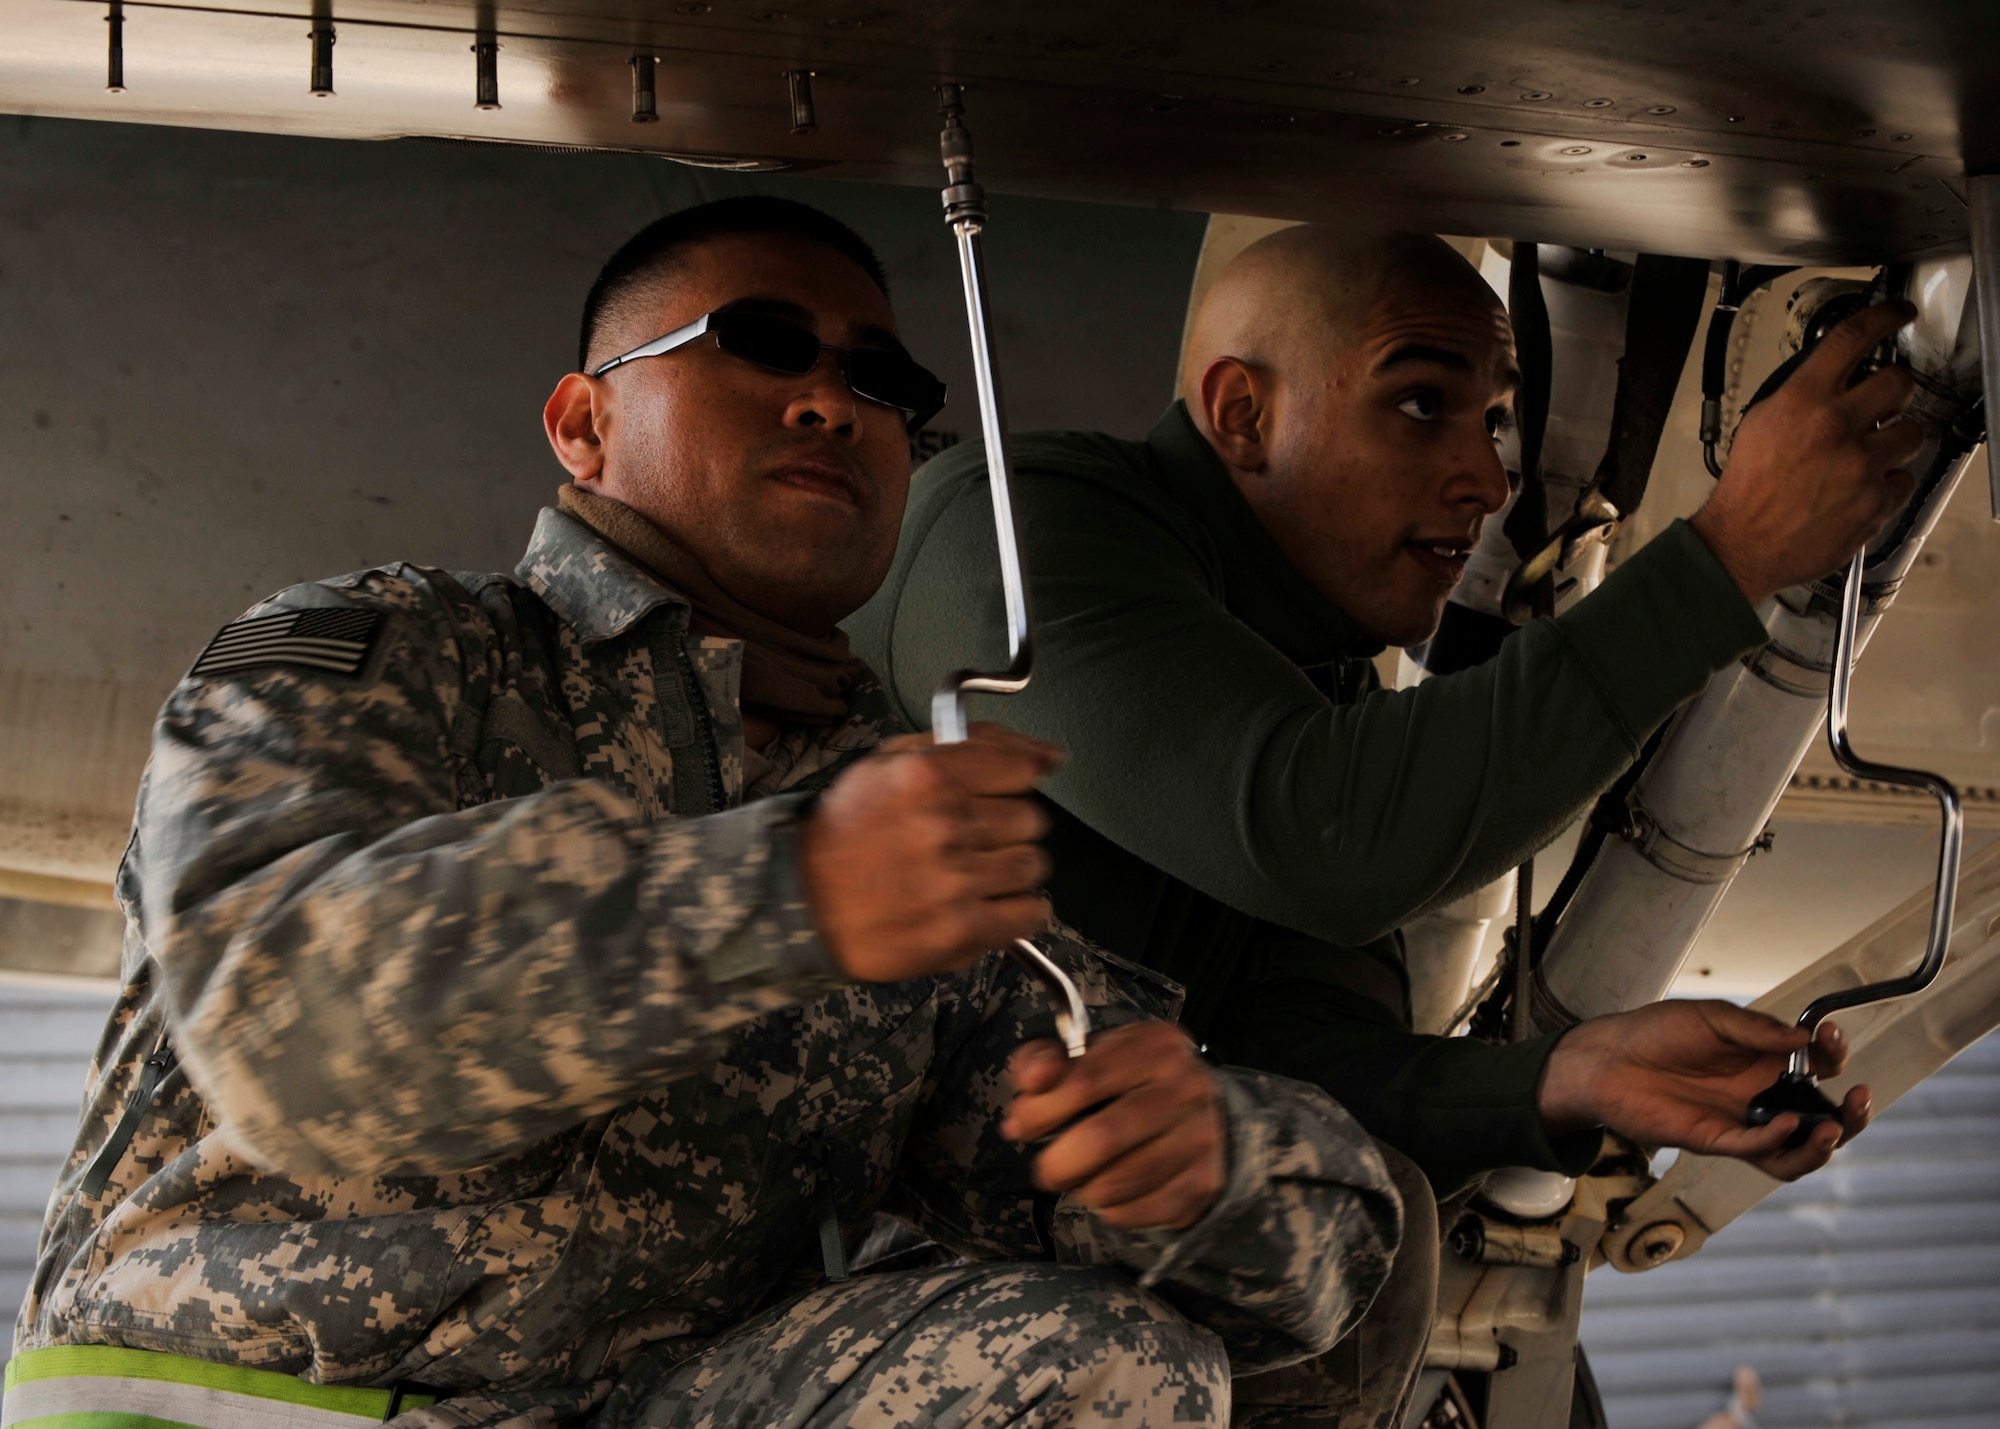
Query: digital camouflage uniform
[[523, 1073]]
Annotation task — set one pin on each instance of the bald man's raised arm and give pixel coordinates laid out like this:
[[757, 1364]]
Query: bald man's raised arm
[[1201, 749]]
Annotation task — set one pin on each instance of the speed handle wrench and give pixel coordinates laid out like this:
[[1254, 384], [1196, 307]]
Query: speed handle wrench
[[1797, 1089], [965, 212]]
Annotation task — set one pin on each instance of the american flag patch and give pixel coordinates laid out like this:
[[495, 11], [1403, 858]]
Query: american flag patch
[[336, 640]]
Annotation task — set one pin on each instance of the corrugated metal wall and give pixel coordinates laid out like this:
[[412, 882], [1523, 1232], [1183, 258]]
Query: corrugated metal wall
[[1866, 1296], [46, 1037]]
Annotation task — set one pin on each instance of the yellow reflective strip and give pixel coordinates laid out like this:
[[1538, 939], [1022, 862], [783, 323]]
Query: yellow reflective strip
[[99, 1361]]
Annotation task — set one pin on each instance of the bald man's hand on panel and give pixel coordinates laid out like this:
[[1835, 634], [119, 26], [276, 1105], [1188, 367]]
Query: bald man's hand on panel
[[923, 857], [1816, 469], [1682, 1074]]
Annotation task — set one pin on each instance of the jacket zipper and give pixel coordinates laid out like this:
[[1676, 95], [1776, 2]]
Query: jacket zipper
[[154, 1071], [697, 698], [826, 1210]]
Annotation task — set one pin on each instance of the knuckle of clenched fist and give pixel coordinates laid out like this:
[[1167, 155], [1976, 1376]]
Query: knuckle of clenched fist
[[920, 776], [1188, 1206], [937, 833], [949, 929], [1004, 929], [1098, 1143], [1115, 1188], [1082, 1086], [1123, 1217]]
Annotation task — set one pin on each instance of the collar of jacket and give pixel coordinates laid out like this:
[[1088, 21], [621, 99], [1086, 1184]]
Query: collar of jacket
[[598, 590], [1260, 587]]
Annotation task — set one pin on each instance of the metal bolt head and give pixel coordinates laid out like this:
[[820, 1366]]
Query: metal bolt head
[[805, 117], [1658, 1243]]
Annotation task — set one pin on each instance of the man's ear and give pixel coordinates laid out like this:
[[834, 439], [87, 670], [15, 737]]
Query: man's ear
[[1234, 399], [573, 418]]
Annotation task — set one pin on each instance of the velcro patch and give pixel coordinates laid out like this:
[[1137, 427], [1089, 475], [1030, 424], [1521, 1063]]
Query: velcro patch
[[336, 640]]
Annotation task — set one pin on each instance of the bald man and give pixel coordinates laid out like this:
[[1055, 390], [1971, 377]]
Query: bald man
[[1244, 809]]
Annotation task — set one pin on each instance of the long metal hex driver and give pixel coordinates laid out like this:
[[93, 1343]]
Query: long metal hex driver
[[1797, 1090], [965, 211]]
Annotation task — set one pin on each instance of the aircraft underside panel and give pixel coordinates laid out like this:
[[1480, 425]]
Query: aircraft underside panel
[[1806, 130]]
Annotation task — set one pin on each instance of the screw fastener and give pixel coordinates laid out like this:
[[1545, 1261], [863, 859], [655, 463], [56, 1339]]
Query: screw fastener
[[805, 117], [321, 35], [644, 109], [1657, 1244]]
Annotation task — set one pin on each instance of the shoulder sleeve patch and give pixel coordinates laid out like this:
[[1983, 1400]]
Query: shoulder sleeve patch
[[335, 639]]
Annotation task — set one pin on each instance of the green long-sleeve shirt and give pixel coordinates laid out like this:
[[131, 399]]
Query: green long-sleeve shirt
[[1243, 807]]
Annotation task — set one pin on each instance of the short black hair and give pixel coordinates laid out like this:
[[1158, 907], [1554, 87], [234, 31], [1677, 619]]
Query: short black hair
[[650, 251]]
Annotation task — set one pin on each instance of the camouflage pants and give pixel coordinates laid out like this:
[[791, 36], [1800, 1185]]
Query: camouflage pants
[[968, 1345], [1364, 1382]]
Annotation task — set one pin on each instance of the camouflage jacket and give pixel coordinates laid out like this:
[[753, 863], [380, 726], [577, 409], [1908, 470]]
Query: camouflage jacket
[[507, 1044]]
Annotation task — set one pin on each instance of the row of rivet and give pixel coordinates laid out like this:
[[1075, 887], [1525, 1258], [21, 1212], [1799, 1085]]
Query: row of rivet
[[804, 116], [486, 74]]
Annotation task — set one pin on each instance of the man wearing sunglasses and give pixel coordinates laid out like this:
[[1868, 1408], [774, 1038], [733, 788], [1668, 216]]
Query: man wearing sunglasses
[[536, 984], [1244, 808]]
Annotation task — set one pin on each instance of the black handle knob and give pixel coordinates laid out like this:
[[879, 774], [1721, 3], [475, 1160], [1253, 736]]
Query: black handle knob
[[1792, 1092]]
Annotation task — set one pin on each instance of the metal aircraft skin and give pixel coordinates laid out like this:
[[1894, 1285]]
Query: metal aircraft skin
[[1824, 131]]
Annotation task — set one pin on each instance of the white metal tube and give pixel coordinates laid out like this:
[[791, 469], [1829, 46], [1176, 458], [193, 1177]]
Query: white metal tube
[[1698, 809]]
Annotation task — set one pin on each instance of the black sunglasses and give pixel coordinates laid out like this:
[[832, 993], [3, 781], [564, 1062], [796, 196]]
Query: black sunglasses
[[873, 373]]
